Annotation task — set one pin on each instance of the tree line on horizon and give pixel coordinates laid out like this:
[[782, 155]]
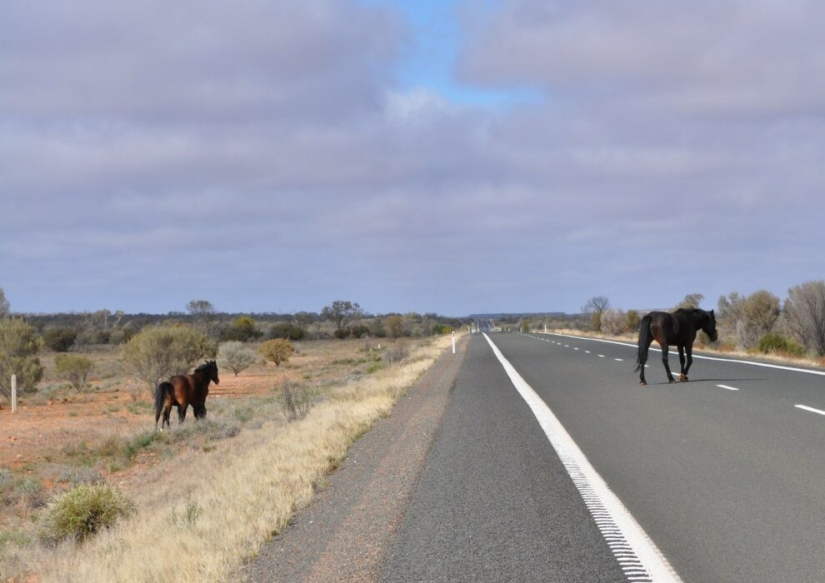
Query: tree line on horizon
[[200, 331], [757, 323]]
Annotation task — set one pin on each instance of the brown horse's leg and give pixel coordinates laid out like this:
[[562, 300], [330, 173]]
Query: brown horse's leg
[[182, 407], [167, 411]]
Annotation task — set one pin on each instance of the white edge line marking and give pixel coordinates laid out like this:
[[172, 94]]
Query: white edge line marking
[[727, 387], [811, 409], [605, 507]]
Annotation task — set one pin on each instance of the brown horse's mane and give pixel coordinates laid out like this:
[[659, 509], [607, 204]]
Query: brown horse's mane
[[205, 366]]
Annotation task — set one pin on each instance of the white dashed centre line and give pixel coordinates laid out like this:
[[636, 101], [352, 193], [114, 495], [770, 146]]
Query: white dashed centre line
[[727, 387], [811, 409]]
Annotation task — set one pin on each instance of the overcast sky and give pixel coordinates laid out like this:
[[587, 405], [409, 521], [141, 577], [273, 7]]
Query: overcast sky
[[433, 156]]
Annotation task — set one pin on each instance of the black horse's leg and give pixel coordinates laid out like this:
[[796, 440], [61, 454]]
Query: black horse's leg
[[643, 350], [682, 369], [665, 355], [689, 350]]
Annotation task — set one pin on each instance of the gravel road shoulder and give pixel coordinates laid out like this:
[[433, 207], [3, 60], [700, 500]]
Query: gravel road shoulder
[[345, 533]]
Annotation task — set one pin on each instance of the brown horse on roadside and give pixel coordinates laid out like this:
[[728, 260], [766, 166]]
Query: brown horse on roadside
[[678, 328], [185, 390]]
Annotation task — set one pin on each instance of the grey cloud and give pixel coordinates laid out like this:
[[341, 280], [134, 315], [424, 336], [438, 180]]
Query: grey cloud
[[265, 148], [714, 57]]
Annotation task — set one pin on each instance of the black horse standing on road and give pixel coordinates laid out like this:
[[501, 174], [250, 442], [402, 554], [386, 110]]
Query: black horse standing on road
[[678, 328]]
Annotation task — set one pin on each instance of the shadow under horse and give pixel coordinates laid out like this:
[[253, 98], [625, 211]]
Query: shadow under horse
[[184, 390], [678, 328]]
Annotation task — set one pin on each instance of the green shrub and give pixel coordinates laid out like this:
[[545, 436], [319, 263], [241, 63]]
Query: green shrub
[[243, 329], [141, 441], [285, 330], [84, 511], [164, 351], [73, 367], [59, 339], [278, 350], [776, 343], [18, 356]]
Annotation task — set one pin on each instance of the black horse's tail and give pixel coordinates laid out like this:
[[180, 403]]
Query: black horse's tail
[[644, 342], [164, 388]]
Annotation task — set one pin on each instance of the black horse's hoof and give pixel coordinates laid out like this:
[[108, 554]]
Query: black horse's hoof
[[683, 379], [671, 381], [643, 383]]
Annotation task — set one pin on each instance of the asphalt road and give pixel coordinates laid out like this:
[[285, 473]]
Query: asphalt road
[[493, 502], [724, 473]]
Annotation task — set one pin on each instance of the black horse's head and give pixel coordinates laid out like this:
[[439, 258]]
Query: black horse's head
[[708, 325], [210, 368]]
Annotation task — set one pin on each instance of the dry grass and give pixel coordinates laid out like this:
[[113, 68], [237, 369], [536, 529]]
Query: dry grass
[[200, 515]]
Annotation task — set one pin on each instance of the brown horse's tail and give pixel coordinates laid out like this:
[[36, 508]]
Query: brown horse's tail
[[164, 388], [644, 342]]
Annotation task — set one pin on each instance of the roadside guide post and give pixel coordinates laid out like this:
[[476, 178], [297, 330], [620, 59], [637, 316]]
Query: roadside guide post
[[13, 393], [453, 341]]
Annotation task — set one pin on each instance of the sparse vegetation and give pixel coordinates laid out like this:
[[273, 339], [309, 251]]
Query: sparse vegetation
[[207, 478]]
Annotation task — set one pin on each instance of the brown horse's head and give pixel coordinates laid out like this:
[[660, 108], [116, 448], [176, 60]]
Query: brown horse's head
[[210, 368]]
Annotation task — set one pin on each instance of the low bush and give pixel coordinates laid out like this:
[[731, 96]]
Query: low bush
[[59, 339], [395, 354], [278, 350], [73, 367], [296, 402], [778, 344], [83, 511]]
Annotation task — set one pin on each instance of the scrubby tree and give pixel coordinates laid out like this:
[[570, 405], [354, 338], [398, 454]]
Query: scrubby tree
[[18, 356], [805, 315], [4, 304], [691, 301], [277, 350], [633, 320], [235, 356], [394, 326], [59, 339], [341, 312], [286, 330], [204, 316], [596, 306], [242, 329], [161, 352], [614, 322], [750, 318], [73, 367]]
